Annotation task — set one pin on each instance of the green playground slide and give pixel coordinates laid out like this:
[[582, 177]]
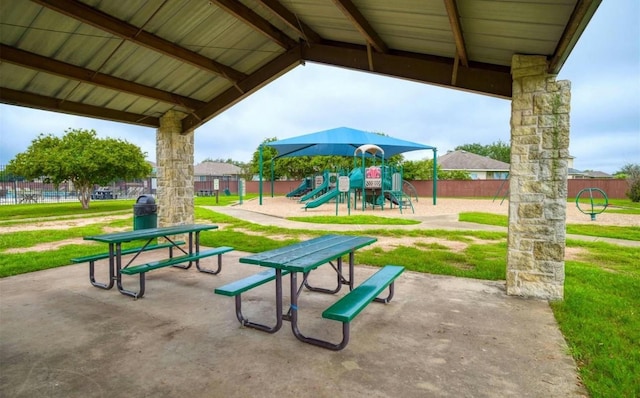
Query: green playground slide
[[322, 199], [316, 191]]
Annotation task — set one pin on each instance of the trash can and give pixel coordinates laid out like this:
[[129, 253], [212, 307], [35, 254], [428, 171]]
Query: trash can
[[145, 213]]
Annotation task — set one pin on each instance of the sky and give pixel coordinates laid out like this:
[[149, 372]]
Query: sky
[[604, 70]]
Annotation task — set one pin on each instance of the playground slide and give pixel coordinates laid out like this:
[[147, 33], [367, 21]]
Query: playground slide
[[316, 191], [299, 190], [392, 198], [322, 199]]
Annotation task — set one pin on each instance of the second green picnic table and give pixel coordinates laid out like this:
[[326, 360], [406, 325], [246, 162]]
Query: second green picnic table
[[302, 258]]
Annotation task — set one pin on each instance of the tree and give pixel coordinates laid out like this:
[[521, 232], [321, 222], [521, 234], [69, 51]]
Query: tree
[[631, 171], [423, 170], [81, 158], [497, 150]]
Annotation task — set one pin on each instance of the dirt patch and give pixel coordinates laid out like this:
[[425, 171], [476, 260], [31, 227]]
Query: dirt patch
[[62, 224], [43, 247], [574, 253]]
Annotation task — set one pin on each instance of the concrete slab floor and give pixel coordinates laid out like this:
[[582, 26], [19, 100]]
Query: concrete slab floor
[[439, 337]]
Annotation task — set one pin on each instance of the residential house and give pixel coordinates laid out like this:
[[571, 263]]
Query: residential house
[[577, 174], [479, 167], [207, 174]]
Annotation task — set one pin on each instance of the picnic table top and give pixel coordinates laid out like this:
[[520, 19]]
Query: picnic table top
[[150, 233], [308, 255]]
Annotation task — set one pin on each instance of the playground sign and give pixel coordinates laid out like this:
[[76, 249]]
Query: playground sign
[[343, 186]]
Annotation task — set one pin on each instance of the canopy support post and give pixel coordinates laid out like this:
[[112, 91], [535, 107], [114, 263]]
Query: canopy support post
[[272, 176], [435, 175], [260, 173]]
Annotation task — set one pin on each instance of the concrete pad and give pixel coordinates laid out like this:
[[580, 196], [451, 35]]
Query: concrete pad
[[440, 337]]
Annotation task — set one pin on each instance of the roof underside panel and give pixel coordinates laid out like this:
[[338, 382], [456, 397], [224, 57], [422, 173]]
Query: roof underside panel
[[404, 27], [495, 30], [326, 19], [134, 60]]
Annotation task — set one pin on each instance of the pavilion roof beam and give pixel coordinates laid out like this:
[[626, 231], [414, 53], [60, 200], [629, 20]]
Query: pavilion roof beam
[[581, 15], [108, 23], [49, 65], [275, 68], [361, 23], [14, 97], [291, 19], [478, 77], [256, 22], [454, 20]]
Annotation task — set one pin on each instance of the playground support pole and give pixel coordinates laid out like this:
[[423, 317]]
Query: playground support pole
[[272, 176], [435, 175], [260, 173]]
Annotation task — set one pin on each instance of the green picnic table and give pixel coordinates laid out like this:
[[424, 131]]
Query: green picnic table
[[302, 258], [191, 254]]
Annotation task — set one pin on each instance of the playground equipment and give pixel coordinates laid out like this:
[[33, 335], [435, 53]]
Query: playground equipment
[[321, 186], [591, 206], [302, 189], [374, 184], [380, 183], [332, 191]]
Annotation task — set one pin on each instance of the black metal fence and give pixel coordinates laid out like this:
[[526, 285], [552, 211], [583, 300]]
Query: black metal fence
[[18, 192], [15, 190]]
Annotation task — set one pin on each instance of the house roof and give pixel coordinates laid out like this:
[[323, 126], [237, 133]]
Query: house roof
[[463, 160], [596, 174], [572, 171], [132, 61], [341, 141], [215, 169]]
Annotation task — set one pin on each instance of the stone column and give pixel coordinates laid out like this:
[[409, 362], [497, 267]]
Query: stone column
[[538, 180], [174, 158]]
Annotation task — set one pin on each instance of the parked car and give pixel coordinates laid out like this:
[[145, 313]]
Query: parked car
[[103, 193]]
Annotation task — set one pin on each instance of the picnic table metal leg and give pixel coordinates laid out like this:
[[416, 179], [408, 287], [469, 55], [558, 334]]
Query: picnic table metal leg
[[118, 256], [293, 315], [341, 280], [191, 243], [206, 270], [269, 329], [387, 299], [112, 277]]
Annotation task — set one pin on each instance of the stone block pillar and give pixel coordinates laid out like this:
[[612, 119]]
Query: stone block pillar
[[538, 180], [174, 158]]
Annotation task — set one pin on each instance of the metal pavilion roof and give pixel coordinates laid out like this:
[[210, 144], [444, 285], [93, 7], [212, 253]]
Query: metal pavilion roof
[[132, 61]]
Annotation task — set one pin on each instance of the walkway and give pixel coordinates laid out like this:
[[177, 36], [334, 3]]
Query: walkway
[[445, 222]]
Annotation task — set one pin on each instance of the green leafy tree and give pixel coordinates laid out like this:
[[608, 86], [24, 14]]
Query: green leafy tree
[[498, 150], [423, 170], [268, 155], [631, 171], [81, 158]]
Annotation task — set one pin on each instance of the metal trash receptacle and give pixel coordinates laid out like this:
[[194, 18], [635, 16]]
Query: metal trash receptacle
[[145, 213]]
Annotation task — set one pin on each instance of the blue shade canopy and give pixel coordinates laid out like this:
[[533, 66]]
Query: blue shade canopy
[[341, 141]]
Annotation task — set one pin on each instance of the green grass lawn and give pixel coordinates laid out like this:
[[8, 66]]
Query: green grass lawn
[[603, 231], [598, 317]]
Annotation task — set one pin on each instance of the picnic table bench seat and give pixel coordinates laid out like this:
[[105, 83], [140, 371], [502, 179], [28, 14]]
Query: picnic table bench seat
[[101, 256], [349, 306], [236, 288], [142, 269]]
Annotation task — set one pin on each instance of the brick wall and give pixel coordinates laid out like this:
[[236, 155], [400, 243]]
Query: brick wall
[[614, 188]]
